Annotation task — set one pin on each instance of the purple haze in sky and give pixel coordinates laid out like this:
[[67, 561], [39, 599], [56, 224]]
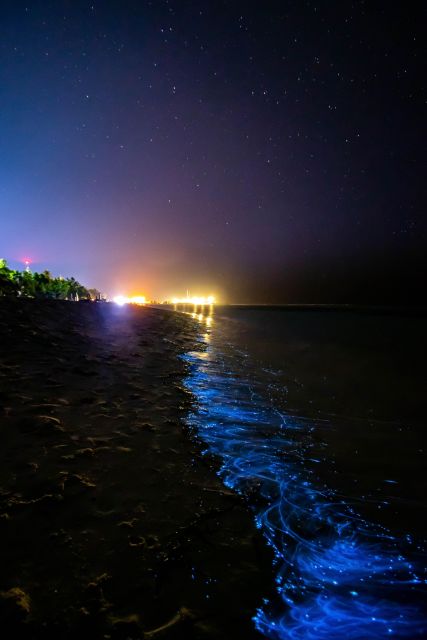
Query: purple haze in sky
[[261, 152]]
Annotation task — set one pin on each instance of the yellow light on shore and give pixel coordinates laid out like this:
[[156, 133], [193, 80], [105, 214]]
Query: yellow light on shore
[[121, 300], [197, 300]]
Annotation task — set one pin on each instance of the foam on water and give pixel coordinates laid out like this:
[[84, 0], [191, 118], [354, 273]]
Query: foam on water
[[337, 575]]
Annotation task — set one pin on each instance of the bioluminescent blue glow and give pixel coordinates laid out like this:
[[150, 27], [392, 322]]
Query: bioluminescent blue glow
[[338, 576]]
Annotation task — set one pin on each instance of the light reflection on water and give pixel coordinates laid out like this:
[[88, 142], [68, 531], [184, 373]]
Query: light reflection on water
[[337, 575]]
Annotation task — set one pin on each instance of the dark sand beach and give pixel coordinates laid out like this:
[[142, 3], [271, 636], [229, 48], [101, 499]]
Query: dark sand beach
[[112, 524]]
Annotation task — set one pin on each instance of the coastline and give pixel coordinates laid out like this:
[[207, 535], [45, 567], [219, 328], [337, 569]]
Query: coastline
[[346, 530], [111, 522], [409, 310]]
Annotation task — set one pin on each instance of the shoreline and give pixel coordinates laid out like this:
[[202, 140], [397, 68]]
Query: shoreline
[[112, 523], [340, 564], [375, 310]]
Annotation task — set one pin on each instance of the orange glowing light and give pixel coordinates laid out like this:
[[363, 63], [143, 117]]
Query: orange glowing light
[[196, 300], [121, 300]]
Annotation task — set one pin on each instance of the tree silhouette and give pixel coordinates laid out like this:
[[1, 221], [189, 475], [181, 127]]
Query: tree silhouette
[[40, 285]]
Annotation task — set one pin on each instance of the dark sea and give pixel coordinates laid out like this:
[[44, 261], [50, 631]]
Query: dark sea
[[317, 417]]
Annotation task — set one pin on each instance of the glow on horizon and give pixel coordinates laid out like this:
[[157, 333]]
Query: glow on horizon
[[122, 300], [197, 300]]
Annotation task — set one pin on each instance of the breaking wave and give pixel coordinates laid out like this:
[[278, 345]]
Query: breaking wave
[[337, 575]]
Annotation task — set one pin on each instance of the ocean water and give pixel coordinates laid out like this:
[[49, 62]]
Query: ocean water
[[317, 417]]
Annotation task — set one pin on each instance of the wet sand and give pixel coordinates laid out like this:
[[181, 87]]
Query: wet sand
[[112, 523]]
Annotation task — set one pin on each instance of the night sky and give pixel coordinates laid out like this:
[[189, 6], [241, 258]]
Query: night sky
[[260, 151]]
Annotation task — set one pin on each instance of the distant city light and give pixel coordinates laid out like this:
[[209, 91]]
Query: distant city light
[[121, 300], [197, 300]]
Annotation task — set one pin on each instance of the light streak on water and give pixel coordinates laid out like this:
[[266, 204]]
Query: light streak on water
[[337, 575]]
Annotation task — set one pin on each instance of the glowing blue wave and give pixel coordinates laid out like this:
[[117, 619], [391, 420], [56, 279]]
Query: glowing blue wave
[[337, 575]]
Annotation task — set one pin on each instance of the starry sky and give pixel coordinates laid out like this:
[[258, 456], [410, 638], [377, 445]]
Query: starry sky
[[265, 152]]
